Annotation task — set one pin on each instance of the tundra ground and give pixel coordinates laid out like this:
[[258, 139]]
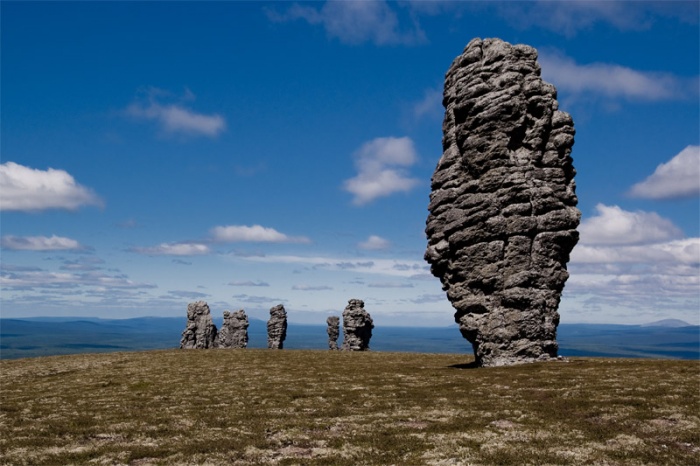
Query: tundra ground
[[305, 407]]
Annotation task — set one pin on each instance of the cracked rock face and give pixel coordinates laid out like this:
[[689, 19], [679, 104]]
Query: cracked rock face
[[503, 214], [234, 331], [333, 331], [200, 332], [277, 327], [357, 326]]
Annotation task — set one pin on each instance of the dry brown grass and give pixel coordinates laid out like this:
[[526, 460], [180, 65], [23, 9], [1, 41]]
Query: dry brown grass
[[334, 408]]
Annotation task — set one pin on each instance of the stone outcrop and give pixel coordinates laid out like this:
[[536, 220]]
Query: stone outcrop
[[333, 331], [277, 327], [503, 214], [234, 331], [200, 332], [357, 326]]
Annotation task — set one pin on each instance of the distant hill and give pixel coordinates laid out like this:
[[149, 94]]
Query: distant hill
[[668, 323], [22, 338]]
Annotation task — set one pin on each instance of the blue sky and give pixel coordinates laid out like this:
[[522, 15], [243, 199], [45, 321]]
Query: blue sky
[[252, 153]]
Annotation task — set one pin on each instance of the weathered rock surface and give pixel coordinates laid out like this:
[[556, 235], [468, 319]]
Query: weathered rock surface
[[200, 332], [234, 331], [503, 214], [277, 327], [333, 331], [357, 326]]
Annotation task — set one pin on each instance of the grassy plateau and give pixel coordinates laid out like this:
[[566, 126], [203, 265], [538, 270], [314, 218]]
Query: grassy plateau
[[217, 407]]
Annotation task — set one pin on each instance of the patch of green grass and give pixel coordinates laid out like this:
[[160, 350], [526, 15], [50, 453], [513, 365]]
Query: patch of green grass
[[337, 408]]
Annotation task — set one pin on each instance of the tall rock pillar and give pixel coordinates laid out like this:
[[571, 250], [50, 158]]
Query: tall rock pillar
[[502, 216], [200, 332], [333, 331], [357, 326], [277, 327]]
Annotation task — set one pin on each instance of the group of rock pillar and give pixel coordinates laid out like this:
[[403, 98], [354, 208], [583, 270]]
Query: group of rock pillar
[[357, 328], [201, 333], [502, 215]]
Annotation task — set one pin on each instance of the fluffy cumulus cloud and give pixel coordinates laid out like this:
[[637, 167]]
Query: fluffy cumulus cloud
[[611, 80], [174, 249], [615, 226], [354, 22], [638, 261], [40, 243], [175, 118], [254, 234], [677, 178], [374, 243], [30, 189], [382, 169]]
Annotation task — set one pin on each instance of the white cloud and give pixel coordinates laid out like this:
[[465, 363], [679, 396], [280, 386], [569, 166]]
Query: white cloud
[[633, 262], [174, 249], [187, 294], [32, 279], [682, 251], [657, 285], [677, 178], [655, 290], [248, 283], [175, 118], [40, 243], [311, 288], [29, 189], [381, 169], [615, 226], [610, 80], [430, 298], [83, 264], [374, 243], [355, 22], [430, 104], [255, 233], [257, 299], [390, 267], [390, 285], [571, 16]]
